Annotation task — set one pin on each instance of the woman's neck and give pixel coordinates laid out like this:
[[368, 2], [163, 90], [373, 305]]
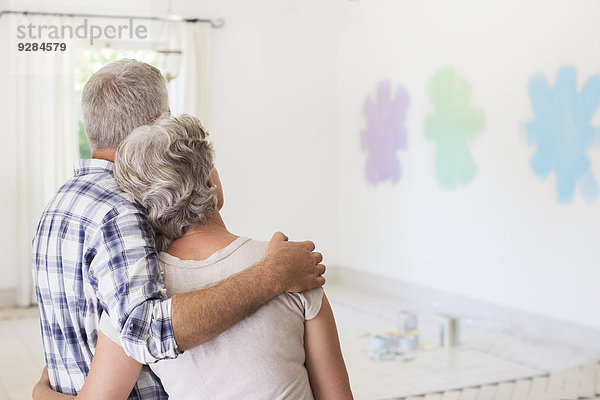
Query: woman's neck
[[200, 242]]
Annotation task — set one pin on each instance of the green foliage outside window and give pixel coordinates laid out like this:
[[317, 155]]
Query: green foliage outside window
[[85, 150]]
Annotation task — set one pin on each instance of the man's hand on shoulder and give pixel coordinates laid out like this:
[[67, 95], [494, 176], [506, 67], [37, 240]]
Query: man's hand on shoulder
[[297, 265], [201, 315]]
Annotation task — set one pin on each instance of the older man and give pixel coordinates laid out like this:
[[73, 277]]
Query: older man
[[94, 253]]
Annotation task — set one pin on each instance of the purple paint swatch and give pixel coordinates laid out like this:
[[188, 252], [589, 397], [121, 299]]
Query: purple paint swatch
[[385, 133]]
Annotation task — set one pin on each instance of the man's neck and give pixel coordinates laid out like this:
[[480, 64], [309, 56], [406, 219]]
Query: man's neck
[[200, 242], [104, 154]]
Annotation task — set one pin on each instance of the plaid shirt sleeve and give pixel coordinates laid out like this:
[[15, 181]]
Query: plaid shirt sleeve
[[126, 274]]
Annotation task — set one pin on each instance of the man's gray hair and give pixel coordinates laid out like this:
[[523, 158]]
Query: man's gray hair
[[120, 97], [166, 166]]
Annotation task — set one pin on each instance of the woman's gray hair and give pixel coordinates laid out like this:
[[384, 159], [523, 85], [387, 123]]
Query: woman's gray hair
[[120, 97], [166, 166]]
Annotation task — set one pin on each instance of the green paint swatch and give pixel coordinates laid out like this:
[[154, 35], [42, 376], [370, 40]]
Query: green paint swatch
[[451, 125]]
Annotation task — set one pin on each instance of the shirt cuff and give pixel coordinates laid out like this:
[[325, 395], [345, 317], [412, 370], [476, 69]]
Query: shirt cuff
[[147, 335]]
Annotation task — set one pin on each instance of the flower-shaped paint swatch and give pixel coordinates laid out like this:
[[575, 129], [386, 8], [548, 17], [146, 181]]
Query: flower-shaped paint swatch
[[562, 131], [451, 126], [385, 133]]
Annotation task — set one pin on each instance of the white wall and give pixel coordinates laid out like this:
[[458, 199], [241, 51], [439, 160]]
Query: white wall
[[504, 238], [289, 82], [272, 118]]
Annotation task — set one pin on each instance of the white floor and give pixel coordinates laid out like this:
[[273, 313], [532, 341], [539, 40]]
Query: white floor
[[21, 353], [491, 352]]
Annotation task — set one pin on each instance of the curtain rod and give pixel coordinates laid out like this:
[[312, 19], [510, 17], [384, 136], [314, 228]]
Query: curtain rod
[[218, 23]]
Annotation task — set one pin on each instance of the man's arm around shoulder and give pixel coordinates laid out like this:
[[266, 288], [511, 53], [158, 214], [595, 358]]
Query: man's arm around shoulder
[[289, 267]]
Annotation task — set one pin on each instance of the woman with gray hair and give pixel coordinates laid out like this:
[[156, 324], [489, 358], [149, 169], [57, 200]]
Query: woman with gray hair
[[288, 349], [168, 168]]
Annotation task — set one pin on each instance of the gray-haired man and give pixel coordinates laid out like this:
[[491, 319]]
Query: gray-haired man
[[94, 252]]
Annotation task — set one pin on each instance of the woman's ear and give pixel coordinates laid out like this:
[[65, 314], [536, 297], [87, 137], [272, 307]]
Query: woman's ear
[[213, 179]]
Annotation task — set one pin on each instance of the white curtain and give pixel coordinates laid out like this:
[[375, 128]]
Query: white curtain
[[190, 90], [41, 99], [40, 142]]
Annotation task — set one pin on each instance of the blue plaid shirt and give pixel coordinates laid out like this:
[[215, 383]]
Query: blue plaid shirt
[[93, 252]]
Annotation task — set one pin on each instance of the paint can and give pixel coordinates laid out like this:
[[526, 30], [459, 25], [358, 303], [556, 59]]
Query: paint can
[[449, 331], [407, 321], [383, 348], [380, 343], [394, 342], [408, 342]]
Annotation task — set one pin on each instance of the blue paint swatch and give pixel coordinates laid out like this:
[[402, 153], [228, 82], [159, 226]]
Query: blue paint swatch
[[562, 131]]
